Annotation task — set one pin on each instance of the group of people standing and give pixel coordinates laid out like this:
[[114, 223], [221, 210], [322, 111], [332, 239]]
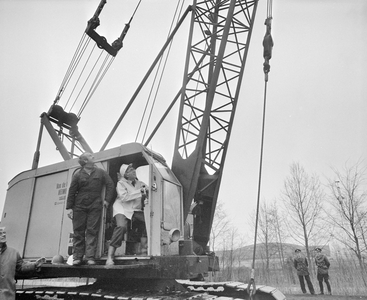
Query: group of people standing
[[85, 205], [323, 265]]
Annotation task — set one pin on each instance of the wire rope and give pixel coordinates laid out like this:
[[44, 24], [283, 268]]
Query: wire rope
[[78, 54], [136, 8], [79, 57], [96, 82], [269, 9], [79, 77], [268, 44], [86, 99], [165, 63], [71, 68], [155, 78], [101, 73], [156, 94]]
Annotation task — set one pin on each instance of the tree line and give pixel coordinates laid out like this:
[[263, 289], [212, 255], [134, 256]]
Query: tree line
[[307, 213]]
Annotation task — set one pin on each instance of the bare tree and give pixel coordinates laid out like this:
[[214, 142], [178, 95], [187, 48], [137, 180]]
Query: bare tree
[[232, 241], [270, 234], [227, 254], [349, 214], [240, 256], [267, 234], [279, 231], [220, 227], [302, 197]]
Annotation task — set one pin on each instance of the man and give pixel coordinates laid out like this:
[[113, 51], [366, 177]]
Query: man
[[85, 206], [323, 266], [11, 263], [131, 196], [301, 265]]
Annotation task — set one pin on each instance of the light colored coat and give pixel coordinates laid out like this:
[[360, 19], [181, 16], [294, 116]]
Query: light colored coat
[[128, 197]]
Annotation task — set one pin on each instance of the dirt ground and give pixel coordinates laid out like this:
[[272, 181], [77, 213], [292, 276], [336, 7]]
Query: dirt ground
[[323, 297]]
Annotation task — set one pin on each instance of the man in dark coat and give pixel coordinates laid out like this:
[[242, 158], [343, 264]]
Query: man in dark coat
[[10, 264], [323, 266], [85, 205], [301, 265]]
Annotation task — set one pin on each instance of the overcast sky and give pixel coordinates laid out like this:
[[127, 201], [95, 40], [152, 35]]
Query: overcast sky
[[316, 97]]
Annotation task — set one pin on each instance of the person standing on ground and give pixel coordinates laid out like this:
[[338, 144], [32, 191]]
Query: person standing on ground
[[131, 196], [301, 265], [323, 266], [85, 205], [10, 264]]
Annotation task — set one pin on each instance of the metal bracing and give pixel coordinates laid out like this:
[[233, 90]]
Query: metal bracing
[[221, 30]]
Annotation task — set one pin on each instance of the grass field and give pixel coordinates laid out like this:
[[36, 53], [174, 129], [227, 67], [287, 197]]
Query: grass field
[[347, 279]]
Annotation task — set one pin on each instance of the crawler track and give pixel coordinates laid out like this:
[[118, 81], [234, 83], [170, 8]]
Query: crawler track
[[194, 290]]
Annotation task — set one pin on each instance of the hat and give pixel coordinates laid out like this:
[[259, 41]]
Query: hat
[[123, 168], [297, 250], [318, 249]]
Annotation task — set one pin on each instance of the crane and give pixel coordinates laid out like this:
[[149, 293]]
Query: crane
[[183, 197]]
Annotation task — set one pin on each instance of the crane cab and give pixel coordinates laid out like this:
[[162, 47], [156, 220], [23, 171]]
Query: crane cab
[[36, 220]]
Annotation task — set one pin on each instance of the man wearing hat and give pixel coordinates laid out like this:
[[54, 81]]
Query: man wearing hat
[[11, 263], [131, 194], [301, 265], [323, 266]]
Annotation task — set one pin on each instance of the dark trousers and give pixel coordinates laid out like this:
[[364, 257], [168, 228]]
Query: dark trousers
[[324, 277], [121, 227], [86, 223], [309, 283]]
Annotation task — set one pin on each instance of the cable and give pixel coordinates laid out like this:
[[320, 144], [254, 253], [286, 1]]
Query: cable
[[136, 8], [103, 69], [72, 66], [160, 78], [269, 9], [268, 46], [77, 81], [252, 280], [77, 57], [96, 82]]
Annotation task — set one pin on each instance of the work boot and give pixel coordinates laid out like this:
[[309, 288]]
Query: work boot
[[91, 262], [110, 256], [77, 262]]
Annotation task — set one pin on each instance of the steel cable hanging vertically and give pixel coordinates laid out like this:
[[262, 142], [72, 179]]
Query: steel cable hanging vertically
[[268, 45]]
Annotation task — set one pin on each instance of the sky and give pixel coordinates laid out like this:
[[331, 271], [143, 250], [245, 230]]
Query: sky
[[316, 109]]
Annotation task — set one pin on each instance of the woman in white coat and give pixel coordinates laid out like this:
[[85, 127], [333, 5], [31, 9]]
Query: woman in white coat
[[131, 193]]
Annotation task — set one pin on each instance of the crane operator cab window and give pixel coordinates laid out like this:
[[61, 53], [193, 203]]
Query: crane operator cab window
[[125, 225]]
